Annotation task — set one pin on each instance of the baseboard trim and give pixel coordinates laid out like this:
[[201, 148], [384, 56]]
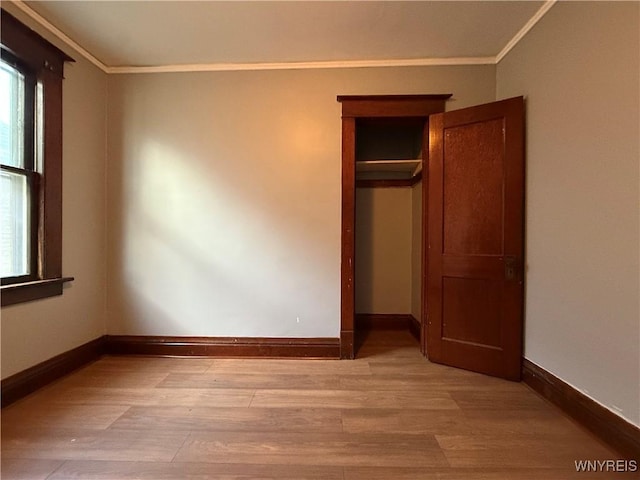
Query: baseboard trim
[[223, 346], [27, 381], [383, 321], [414, 327], [347, 345], [388, 321], [612, 429]]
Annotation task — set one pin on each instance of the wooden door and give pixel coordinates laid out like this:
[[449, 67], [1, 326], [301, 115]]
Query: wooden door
[[475, 238]]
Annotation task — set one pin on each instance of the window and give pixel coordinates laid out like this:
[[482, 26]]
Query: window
[[31, 73], [18, 174]]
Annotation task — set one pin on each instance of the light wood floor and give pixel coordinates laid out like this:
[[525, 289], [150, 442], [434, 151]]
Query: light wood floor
[[389, 415]]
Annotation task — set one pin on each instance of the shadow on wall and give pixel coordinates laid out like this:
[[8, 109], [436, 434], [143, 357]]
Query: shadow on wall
[[199, 257]]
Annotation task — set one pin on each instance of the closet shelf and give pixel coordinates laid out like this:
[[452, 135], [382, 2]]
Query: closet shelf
[[411, 166]]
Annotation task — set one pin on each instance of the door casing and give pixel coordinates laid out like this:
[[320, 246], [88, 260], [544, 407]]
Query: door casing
[[370, 106]]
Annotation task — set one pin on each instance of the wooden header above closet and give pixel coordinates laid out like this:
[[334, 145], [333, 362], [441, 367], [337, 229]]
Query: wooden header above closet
[[392, 105]]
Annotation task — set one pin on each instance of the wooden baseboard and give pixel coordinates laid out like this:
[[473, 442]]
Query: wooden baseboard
[[386, 321], [383, 321], [612, 429], [414, 327], [347, 345], [223, 346], [23, 383]]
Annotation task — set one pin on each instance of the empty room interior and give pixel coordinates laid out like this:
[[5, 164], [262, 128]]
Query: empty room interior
[[320, 240]]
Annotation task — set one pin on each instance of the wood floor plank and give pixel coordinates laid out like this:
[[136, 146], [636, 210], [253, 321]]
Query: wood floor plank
[[25, 415], [312, 449], [76, 444], [407, 421], [377, 351], [541, 422], [230, 419], [116, 378], [437, 400], [502, 441], [410, 473], [153, 396], [149, 364], [27, 468], [491, 399], [424, 368], [260, 381], [519, 450], [436, 381], [240, 366], [99, 470], [381, 355]]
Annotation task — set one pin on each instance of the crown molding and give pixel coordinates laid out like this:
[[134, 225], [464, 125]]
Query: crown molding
[[524, 30], [58, 33], [234, 67]]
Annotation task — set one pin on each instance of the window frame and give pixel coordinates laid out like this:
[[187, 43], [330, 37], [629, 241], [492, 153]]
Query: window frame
[[46, 63], [30, 168]]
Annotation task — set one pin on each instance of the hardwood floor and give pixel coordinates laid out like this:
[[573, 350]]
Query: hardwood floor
[[389, 414]]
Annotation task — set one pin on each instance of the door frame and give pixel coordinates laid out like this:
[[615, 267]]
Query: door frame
[[372, 106]]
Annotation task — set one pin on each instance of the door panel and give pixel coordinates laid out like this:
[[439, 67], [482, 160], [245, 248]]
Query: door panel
[[476, 219], [473, 209], [477, 320]]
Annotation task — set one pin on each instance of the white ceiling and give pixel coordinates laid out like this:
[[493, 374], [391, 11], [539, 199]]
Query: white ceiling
[[172, 33]]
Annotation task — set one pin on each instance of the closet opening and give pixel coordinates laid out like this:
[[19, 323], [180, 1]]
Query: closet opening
[[388, 226], [384, 150]]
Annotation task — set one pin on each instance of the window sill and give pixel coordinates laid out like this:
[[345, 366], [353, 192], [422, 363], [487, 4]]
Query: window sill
[[29, 291]]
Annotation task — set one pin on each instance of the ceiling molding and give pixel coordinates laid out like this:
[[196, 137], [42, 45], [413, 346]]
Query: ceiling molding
[[232, 67], [524, 30], [59, 34]]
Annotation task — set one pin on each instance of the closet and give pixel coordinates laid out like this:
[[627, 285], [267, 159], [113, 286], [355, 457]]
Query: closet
[[443, 253], [385, 144]]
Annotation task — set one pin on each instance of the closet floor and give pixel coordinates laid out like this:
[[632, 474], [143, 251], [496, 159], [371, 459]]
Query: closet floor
[[388, 415]]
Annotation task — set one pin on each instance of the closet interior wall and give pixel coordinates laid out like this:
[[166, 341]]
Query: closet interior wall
[[384, 251], [388, 222]]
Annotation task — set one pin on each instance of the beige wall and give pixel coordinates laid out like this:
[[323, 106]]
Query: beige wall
[[224, 195], [389, 250], [579, 70], [383, 250], [36, 331], [416, 251]]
